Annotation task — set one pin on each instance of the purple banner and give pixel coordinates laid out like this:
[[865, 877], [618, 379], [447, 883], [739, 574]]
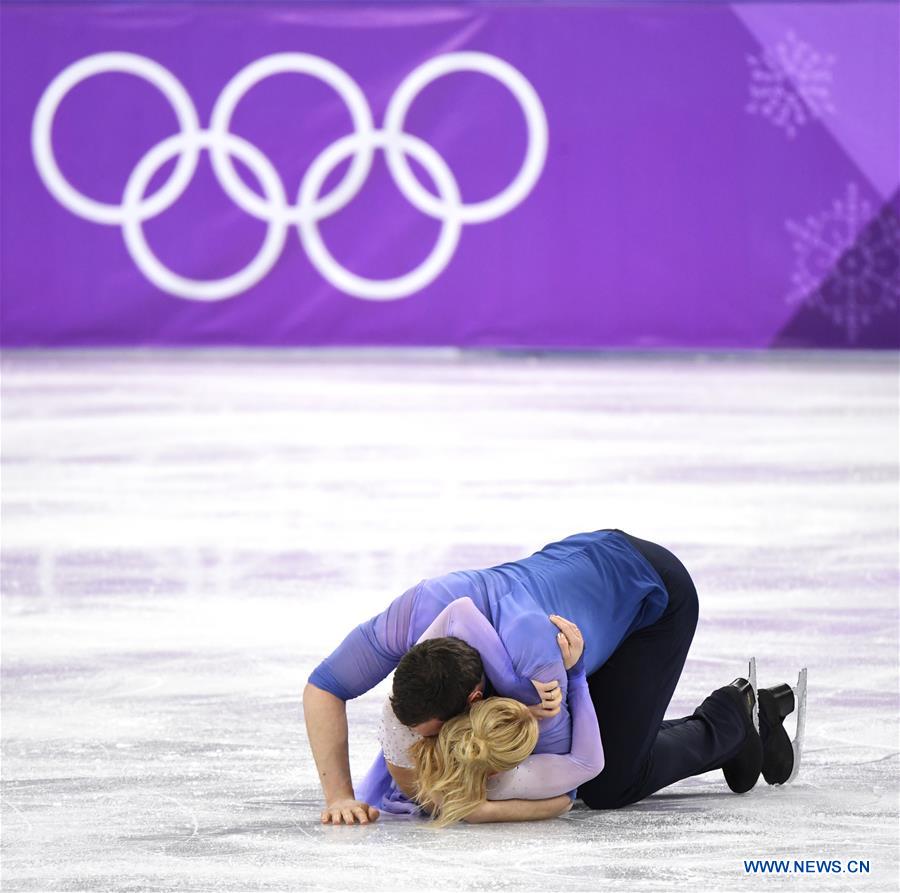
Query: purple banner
[[634, 175]]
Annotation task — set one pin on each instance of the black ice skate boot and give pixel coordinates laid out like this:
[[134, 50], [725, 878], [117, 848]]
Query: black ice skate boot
[[781, 756], [742, 770]]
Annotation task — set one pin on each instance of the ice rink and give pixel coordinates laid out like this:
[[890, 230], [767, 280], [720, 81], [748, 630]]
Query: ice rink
[[185, 535]]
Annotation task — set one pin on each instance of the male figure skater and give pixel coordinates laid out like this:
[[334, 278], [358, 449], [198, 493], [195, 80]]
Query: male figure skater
[[637, 608]]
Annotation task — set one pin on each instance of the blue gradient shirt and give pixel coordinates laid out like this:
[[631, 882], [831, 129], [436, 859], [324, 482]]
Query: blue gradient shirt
[[597, 580]]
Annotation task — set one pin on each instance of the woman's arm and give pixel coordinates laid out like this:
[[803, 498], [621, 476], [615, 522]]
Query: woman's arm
[[520, 810], [497, 810], [545, 775], [404, 778]]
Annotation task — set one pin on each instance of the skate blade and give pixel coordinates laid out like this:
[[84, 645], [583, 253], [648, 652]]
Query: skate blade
[[797, 743], [751, 676]]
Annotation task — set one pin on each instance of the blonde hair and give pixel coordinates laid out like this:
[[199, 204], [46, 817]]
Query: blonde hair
[[452, 768]]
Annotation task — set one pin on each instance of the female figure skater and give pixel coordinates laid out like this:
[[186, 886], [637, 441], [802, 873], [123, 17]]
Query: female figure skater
[[486, 754], [636, 604]]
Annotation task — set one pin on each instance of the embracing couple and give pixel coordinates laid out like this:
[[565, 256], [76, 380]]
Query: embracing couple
[[518, 687]]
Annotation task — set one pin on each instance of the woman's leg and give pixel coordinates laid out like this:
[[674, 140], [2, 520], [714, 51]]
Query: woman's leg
[[632, 690]]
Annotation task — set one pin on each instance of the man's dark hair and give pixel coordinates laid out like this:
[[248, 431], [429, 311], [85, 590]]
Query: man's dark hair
[[434, 680]]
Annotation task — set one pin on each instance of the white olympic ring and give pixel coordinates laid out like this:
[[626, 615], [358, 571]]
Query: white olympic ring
[[535, 118], [430, 268], [273, 207], [297, 63], [42, 146], [150, 266]]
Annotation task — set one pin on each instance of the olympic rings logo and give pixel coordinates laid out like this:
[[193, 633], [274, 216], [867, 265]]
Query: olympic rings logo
[[273, 207]]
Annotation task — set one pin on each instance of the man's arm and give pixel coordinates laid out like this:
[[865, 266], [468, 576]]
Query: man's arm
[[326, 729], [365, 656], [519, 810]]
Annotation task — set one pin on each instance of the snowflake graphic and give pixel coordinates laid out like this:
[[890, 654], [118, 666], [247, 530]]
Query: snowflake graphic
[[790, 85], [847, 263]]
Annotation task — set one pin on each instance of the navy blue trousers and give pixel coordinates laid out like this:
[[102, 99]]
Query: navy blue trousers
[[632, 691]]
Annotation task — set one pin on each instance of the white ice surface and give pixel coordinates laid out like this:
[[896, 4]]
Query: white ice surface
[[185, 534]]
